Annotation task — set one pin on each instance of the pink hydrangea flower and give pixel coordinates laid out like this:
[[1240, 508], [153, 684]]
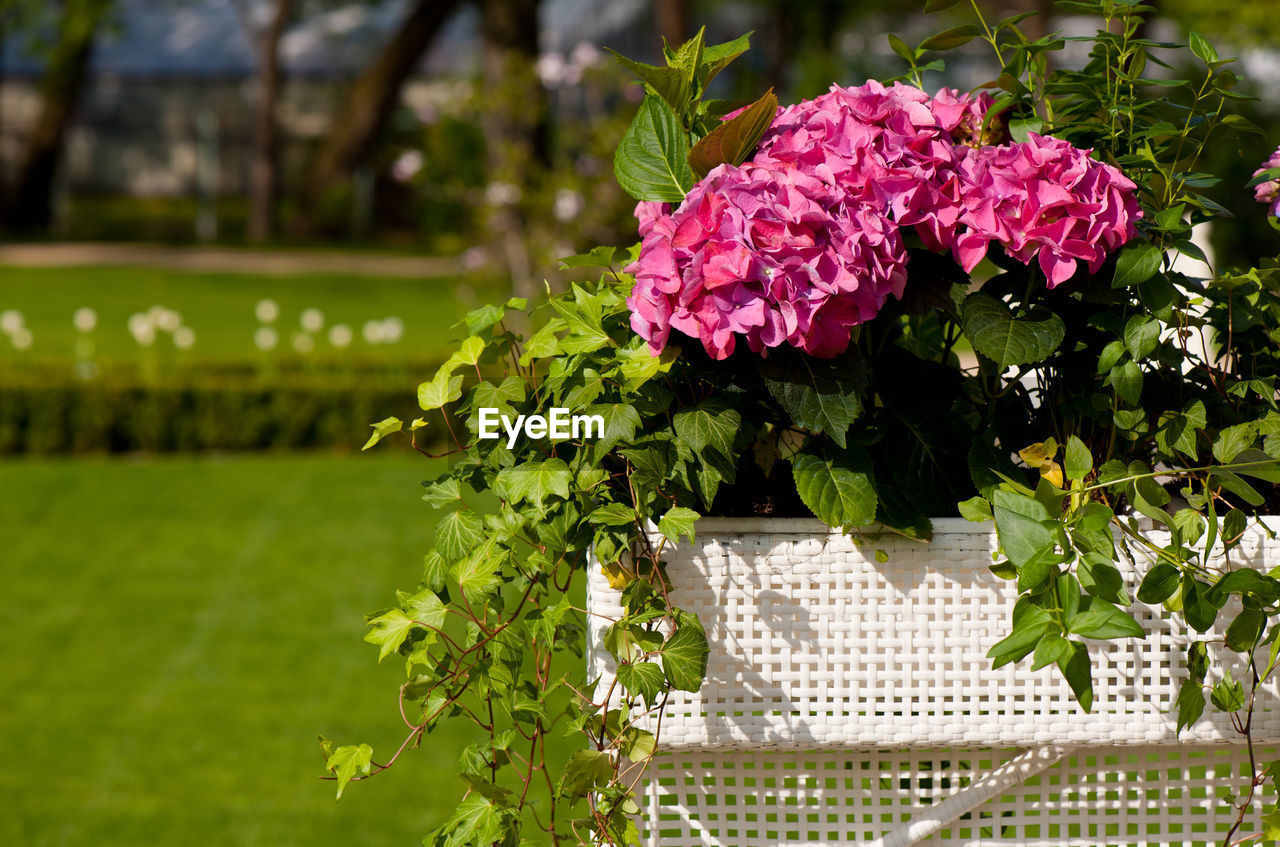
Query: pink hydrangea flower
[[1044, 199], [754, 252], [1269, 192]]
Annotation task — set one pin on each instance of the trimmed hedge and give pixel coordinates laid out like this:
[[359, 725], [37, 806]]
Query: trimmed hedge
[[197, 413]]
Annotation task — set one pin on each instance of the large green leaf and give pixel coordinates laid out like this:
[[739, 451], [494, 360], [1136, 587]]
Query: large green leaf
[[1100, 619], [458, 533], [716, 57], [708, 424], [671, 84], [388, 632], [1005, 339], [651, 162], [644, 679], [346, 762], [839, 490], [734, 140], [1023, 526], [684, 658], [535, 481], [824, 395]]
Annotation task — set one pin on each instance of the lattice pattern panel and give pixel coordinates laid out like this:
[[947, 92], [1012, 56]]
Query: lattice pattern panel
[[817, 645], [1089, 796]]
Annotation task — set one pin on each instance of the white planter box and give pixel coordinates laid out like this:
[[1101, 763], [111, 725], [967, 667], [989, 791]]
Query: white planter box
[[817, 647]]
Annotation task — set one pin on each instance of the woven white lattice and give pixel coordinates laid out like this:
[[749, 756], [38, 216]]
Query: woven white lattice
[[816, 645], [1129, 796]]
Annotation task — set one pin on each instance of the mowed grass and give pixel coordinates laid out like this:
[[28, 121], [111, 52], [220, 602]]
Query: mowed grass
[[220, 308], [177, 633]]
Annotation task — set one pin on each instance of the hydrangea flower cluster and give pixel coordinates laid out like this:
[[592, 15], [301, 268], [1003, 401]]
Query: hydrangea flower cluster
[[1269, 192], [802, 242]]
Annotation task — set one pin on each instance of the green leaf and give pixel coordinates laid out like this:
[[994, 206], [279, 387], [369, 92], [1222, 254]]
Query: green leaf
[[598, 257], [938, 5], [840, 491], [535, 481], [586, 770], [820, 395], [468, 353], [1141, 335], [1028, 628], [346, 762], [1198, 610], [717, 57], [442, 492], [1102, 579], [1271, 822], [644, 679], [678, 521], [434, 570], [1228, 694], [443, 388], [708, 424], [1159, 583], [583, 314], [1006, 340], [477, 820], [671, 84], [975, 509], [1190, 703], [949, 39], [637, 744], [613, 514], [1247, 581], [1023, 526], [637, 365], [684, 658], [733, 141], [1078, 461], [1050, 650], [1136, 264], [1078, 672], [1020, 128], [651, 162], [458, 533], [389, 631], [477, 574], [381, 430], [1202, 48], [1243, 632], [1101, 619], [1126, 379]]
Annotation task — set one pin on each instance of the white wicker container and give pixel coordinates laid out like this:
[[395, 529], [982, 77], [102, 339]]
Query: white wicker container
[[846, 699]]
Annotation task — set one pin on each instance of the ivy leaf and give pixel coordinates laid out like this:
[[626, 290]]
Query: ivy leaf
[[644, 679], [1228, 694], [652, 160], [458, 533], [734, 140], [389, 631], [443, 388], [840, 490], [708, 424], [477, 820], [346, 762], [1006, 340], [1101, 619], [583, 314], [676, 522], [613, 514], [586, 770], [442, 492], [1136, 264], [381, 430], [1190, 703], [621, 422], [535, 481], [434, 570], [477, 574], [637, 744], [821, 395], [684, 658]]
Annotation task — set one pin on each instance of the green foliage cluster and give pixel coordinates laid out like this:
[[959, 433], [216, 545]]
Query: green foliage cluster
[[1090, 408], [47, 413]]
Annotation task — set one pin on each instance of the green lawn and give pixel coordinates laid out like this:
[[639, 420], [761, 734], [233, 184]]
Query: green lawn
[[220, 308], [178, 631]]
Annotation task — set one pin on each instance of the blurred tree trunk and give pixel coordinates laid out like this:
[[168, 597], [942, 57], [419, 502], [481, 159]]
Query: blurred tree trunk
[[368, 105], [264, 171], [28, 205], [514, 123], [672, 19]]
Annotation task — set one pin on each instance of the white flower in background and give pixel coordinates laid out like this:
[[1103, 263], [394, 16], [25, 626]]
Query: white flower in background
[[428, 114], [407, 165], [372, 332], [551, 69], [474, 258], [303, 343], [136, 323], [21, 338], [340, 336], [265, 338], [143, 332], [10, 321], [184, 338], [501, 194], [568, 205], [312, 320], [586, 55], [392, 330], [267, 311], [168, 320], [85, 319], [153, 316]]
